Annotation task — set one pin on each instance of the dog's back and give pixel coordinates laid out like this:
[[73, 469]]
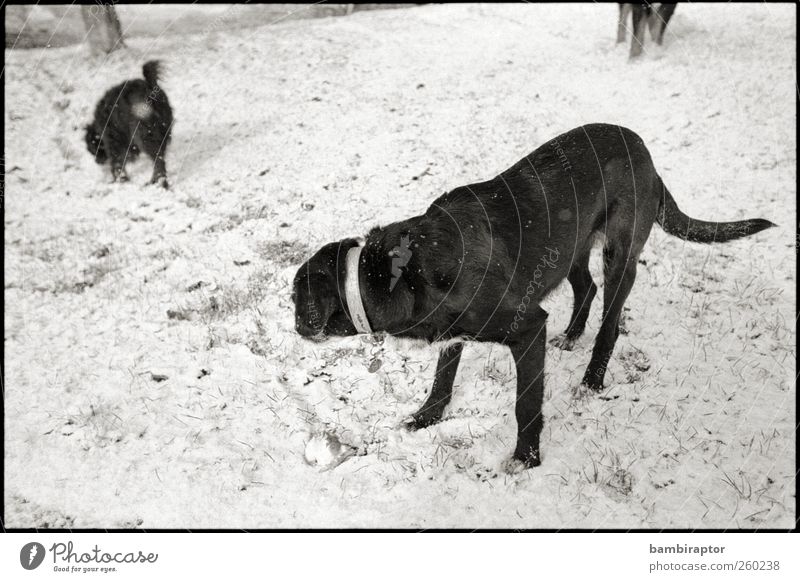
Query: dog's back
[[521, 233], [556, 197]]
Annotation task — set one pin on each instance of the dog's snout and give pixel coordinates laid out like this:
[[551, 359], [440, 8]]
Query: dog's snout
[[305, 328], [301, 328]]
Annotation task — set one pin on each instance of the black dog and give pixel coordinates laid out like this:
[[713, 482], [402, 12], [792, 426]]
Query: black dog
[[483, 256], [655, 15], [133, 117]]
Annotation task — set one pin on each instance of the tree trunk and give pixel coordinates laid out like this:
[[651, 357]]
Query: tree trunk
[[104, 31]]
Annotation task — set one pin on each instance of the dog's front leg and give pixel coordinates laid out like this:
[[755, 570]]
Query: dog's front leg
[[118, 173], [528, 351], [442, 391]]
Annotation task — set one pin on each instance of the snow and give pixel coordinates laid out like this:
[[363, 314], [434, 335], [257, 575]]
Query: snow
[[326, 450], [153, 377]]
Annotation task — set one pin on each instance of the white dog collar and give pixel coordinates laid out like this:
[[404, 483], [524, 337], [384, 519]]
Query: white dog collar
[[352, 292]]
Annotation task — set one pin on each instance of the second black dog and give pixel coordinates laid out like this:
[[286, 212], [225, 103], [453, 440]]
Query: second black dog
[[133, 117]]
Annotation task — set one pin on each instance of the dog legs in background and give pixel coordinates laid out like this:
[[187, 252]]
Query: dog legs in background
[[644, 15], [528, 351], [640, 15], [624, 10], [658, 21], [442, 391]]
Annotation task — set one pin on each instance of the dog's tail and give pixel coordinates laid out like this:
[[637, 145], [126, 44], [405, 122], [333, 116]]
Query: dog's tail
[[152, 73], [676, 223]]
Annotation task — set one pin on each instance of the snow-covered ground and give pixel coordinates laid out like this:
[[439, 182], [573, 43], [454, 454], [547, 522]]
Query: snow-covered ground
[[153, 378]]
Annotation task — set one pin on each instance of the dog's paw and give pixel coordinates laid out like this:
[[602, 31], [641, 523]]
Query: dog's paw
[[518, 463], [587, 389], [160, 181], [593, 385], [513, 466], [582, 392], [420, 421], [563, 342], [528, 456]]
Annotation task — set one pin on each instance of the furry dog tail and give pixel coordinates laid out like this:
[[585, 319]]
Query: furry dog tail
[[152, 73], [676, 223]]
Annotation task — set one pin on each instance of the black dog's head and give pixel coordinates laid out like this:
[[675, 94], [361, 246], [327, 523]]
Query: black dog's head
[[318, 293], [94, 143]]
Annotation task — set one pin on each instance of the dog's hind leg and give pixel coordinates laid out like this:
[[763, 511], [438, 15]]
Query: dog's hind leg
[[584, 290], [442, 391], [157, 150], [620, 256], [528, 352], [155, 140], [663, 14], [159, 171]]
